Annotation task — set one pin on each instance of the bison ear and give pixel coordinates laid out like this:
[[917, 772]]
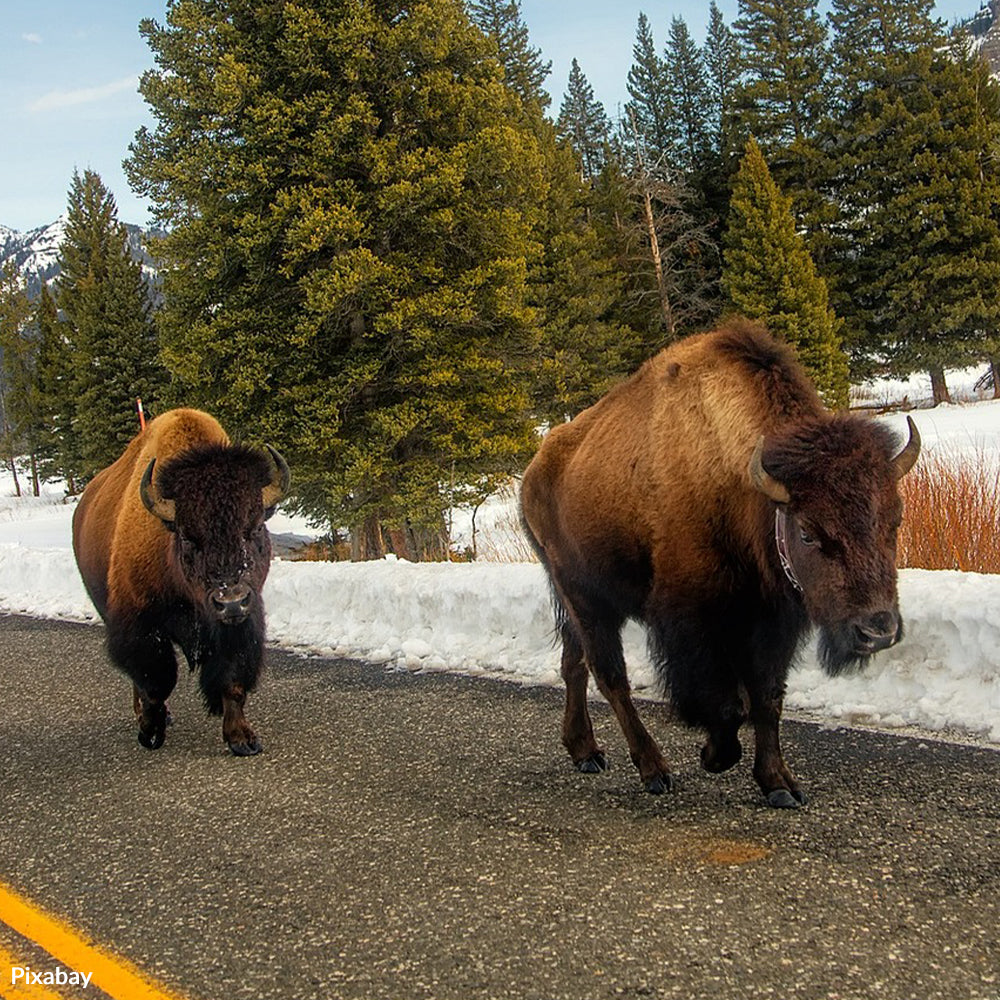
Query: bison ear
[[165, 510], [280, 480], [905, 460], [763, 479]]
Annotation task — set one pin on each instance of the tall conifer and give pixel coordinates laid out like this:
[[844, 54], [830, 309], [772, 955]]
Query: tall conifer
[[648, 110], [107, 310], [352, 195], [783, 96], [919, 186], [687, 91], [524, 69], [722, 73], [768, 275], [584, 124]]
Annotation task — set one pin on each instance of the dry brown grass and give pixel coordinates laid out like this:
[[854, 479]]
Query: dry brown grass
[[502, 539], [951, 517]]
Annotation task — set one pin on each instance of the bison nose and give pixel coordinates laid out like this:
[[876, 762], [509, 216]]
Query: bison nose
[[232, 604], [878, 631]]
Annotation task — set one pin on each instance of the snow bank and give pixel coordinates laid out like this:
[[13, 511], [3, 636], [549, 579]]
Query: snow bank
[[496, 619]]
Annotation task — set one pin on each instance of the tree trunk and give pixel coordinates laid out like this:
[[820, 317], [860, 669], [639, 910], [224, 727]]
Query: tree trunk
[[367, 541], [666, 310], [13, 472], [995, 371], [35, 488], [939, 387], [419, 544]]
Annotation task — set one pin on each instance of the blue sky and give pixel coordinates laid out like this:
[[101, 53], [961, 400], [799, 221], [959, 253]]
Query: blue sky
[[69, 68]]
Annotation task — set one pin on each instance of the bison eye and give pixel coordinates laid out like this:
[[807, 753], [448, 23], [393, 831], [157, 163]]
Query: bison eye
[[189, 546], [807, 537]]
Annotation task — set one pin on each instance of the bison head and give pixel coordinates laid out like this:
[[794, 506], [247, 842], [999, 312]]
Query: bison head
[[214, 499], [838, 513]]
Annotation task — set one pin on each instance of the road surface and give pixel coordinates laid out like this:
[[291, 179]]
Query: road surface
[[424, 837]]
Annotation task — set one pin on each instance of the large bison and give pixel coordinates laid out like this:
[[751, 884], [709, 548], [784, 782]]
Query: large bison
[[715, 499], [172, 547]]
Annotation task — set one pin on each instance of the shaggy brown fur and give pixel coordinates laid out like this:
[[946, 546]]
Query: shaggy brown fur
[[189, 574], [645, 507]]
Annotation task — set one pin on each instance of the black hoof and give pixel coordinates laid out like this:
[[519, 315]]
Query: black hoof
[[153, 739], [593, 764], [782, 798], [660, 783], [247, 749]]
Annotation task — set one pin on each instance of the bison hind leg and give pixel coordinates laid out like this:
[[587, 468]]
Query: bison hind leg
[[578, 730]]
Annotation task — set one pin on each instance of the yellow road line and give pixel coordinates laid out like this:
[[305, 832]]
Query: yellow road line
[[116, 976], [19, 990]]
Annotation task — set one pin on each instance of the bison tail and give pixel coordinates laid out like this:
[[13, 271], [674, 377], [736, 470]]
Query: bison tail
[[558, 608]]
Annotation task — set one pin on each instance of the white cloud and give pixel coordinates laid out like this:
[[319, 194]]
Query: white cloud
[[58, 99], [33, 37]]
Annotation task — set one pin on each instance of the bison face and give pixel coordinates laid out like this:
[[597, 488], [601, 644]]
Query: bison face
[[215, 500], [837, 517]]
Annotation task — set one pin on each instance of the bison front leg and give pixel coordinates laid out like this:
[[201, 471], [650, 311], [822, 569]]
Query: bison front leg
[[773, 775], [236, 730], [148, 658]]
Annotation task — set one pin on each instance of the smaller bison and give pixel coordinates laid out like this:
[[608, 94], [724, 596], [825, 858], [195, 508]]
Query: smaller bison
[[171, 543], [713, 498]]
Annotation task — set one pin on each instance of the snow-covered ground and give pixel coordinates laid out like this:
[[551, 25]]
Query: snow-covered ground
[[494, 617]]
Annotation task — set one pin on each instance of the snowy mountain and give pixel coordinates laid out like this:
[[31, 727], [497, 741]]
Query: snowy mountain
[[984, 29], [36, 252]]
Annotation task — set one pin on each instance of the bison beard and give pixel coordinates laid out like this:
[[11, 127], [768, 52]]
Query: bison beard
[[713, 498], [173, 550]]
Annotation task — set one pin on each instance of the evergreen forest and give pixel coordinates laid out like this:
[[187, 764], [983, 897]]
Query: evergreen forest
[[387, 249]]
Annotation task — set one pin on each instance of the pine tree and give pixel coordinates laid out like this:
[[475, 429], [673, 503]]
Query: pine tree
[[768, 275], [687, 92], [783, 54], [58, 447], [869, 36], [783, 98], [106, 306], [722, 74], [18, 413], [524, 69], [920, 228], [584, 124], [648, 110], [351, 192]]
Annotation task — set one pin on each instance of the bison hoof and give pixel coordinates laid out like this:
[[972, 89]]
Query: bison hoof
[[152, 739], [593, 764], [782, 798], [660, 783], [248, 748]]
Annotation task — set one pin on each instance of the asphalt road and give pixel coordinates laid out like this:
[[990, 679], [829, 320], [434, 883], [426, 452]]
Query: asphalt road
[[409, 837]]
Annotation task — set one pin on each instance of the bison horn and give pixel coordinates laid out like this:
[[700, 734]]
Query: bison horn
[[165, 510], [904, 461], [763, 480], [280, 479]]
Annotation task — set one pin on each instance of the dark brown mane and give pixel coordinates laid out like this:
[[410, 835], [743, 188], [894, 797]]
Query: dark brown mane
[[185, 474], [770, 368], [826, 457]]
